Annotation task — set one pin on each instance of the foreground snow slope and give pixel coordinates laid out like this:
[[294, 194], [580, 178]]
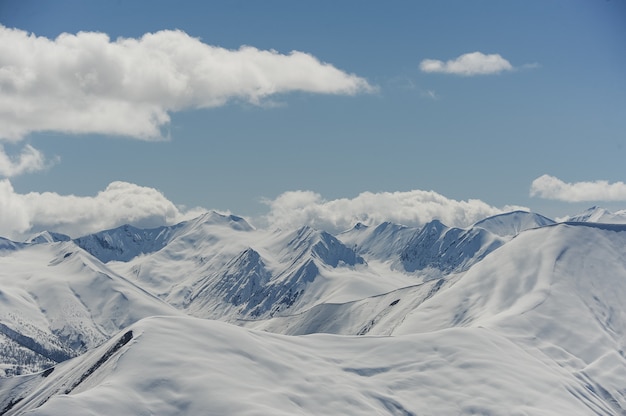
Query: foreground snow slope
[[189, 366], [558, 292]]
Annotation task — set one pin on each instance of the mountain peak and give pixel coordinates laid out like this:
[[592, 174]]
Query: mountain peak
[[512, 223], [215, 218], [47, 237], [600, 215]]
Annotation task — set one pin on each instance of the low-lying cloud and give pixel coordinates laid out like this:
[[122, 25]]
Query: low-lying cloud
[[412, 208], [22, 215], [120, 203], [550, 187], [469, 64]]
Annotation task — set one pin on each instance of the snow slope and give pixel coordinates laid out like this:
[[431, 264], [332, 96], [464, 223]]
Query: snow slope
[[601, 215], [57, 301], [382, 242], [189, 366], [222, 269], [125, 242], [531, 324], [47, 237], [512, 223], [445, 250], [557, 292]]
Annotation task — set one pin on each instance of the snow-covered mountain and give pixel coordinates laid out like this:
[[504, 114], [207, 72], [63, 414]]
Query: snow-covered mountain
[[228, 270], [174, 366], [126, 242], [47, 237], [511, 224], [600, 215], [8, 245], [514, 315], [444, 249], [57, 301], [382, 242]]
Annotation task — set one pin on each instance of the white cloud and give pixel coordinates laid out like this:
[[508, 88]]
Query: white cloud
[[87, 83], [469, 64], [30, 160], [413, 208], [22, 215], [120, 203], [550, 187]]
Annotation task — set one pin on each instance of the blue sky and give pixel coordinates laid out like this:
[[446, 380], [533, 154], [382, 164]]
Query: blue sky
[[558, 110]]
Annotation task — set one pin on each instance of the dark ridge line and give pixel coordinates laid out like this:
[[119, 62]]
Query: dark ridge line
[[125, 339]]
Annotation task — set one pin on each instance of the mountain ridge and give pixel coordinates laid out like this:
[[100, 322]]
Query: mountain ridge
[[482, 320]]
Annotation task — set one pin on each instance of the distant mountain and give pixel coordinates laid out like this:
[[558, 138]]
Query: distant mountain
[[8, 245], [382, 242], [599, 215], [512, 223], [47, 237], [125, 242], [446, 249], [225, 270]]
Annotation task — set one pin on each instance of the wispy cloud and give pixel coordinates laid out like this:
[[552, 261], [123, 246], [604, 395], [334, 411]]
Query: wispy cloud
[[120, 203], [414, 208], [30, 160], [550, 187], [430, 94], [88, 83], [469, 64]]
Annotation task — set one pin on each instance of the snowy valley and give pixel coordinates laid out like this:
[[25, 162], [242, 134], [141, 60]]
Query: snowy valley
[[516, 314]]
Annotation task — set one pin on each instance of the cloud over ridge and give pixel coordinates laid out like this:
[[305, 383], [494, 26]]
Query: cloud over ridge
[[411, 208], [118, 204], [22, 215], [88, 83], [469, 64], [550, 187]]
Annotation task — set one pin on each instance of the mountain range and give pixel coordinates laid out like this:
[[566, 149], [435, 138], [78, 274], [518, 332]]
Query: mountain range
[[516, 314]]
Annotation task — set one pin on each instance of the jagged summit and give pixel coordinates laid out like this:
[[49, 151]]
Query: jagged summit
[[446, 249], [382, 242], [320, 244], [215, 218], [600, 215], [126, 242]]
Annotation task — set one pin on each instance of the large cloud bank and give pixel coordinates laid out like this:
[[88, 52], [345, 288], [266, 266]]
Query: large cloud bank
[[413, 208], [550, 187], [120, 203], [469, 64], [88, 83], [22, 215]]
